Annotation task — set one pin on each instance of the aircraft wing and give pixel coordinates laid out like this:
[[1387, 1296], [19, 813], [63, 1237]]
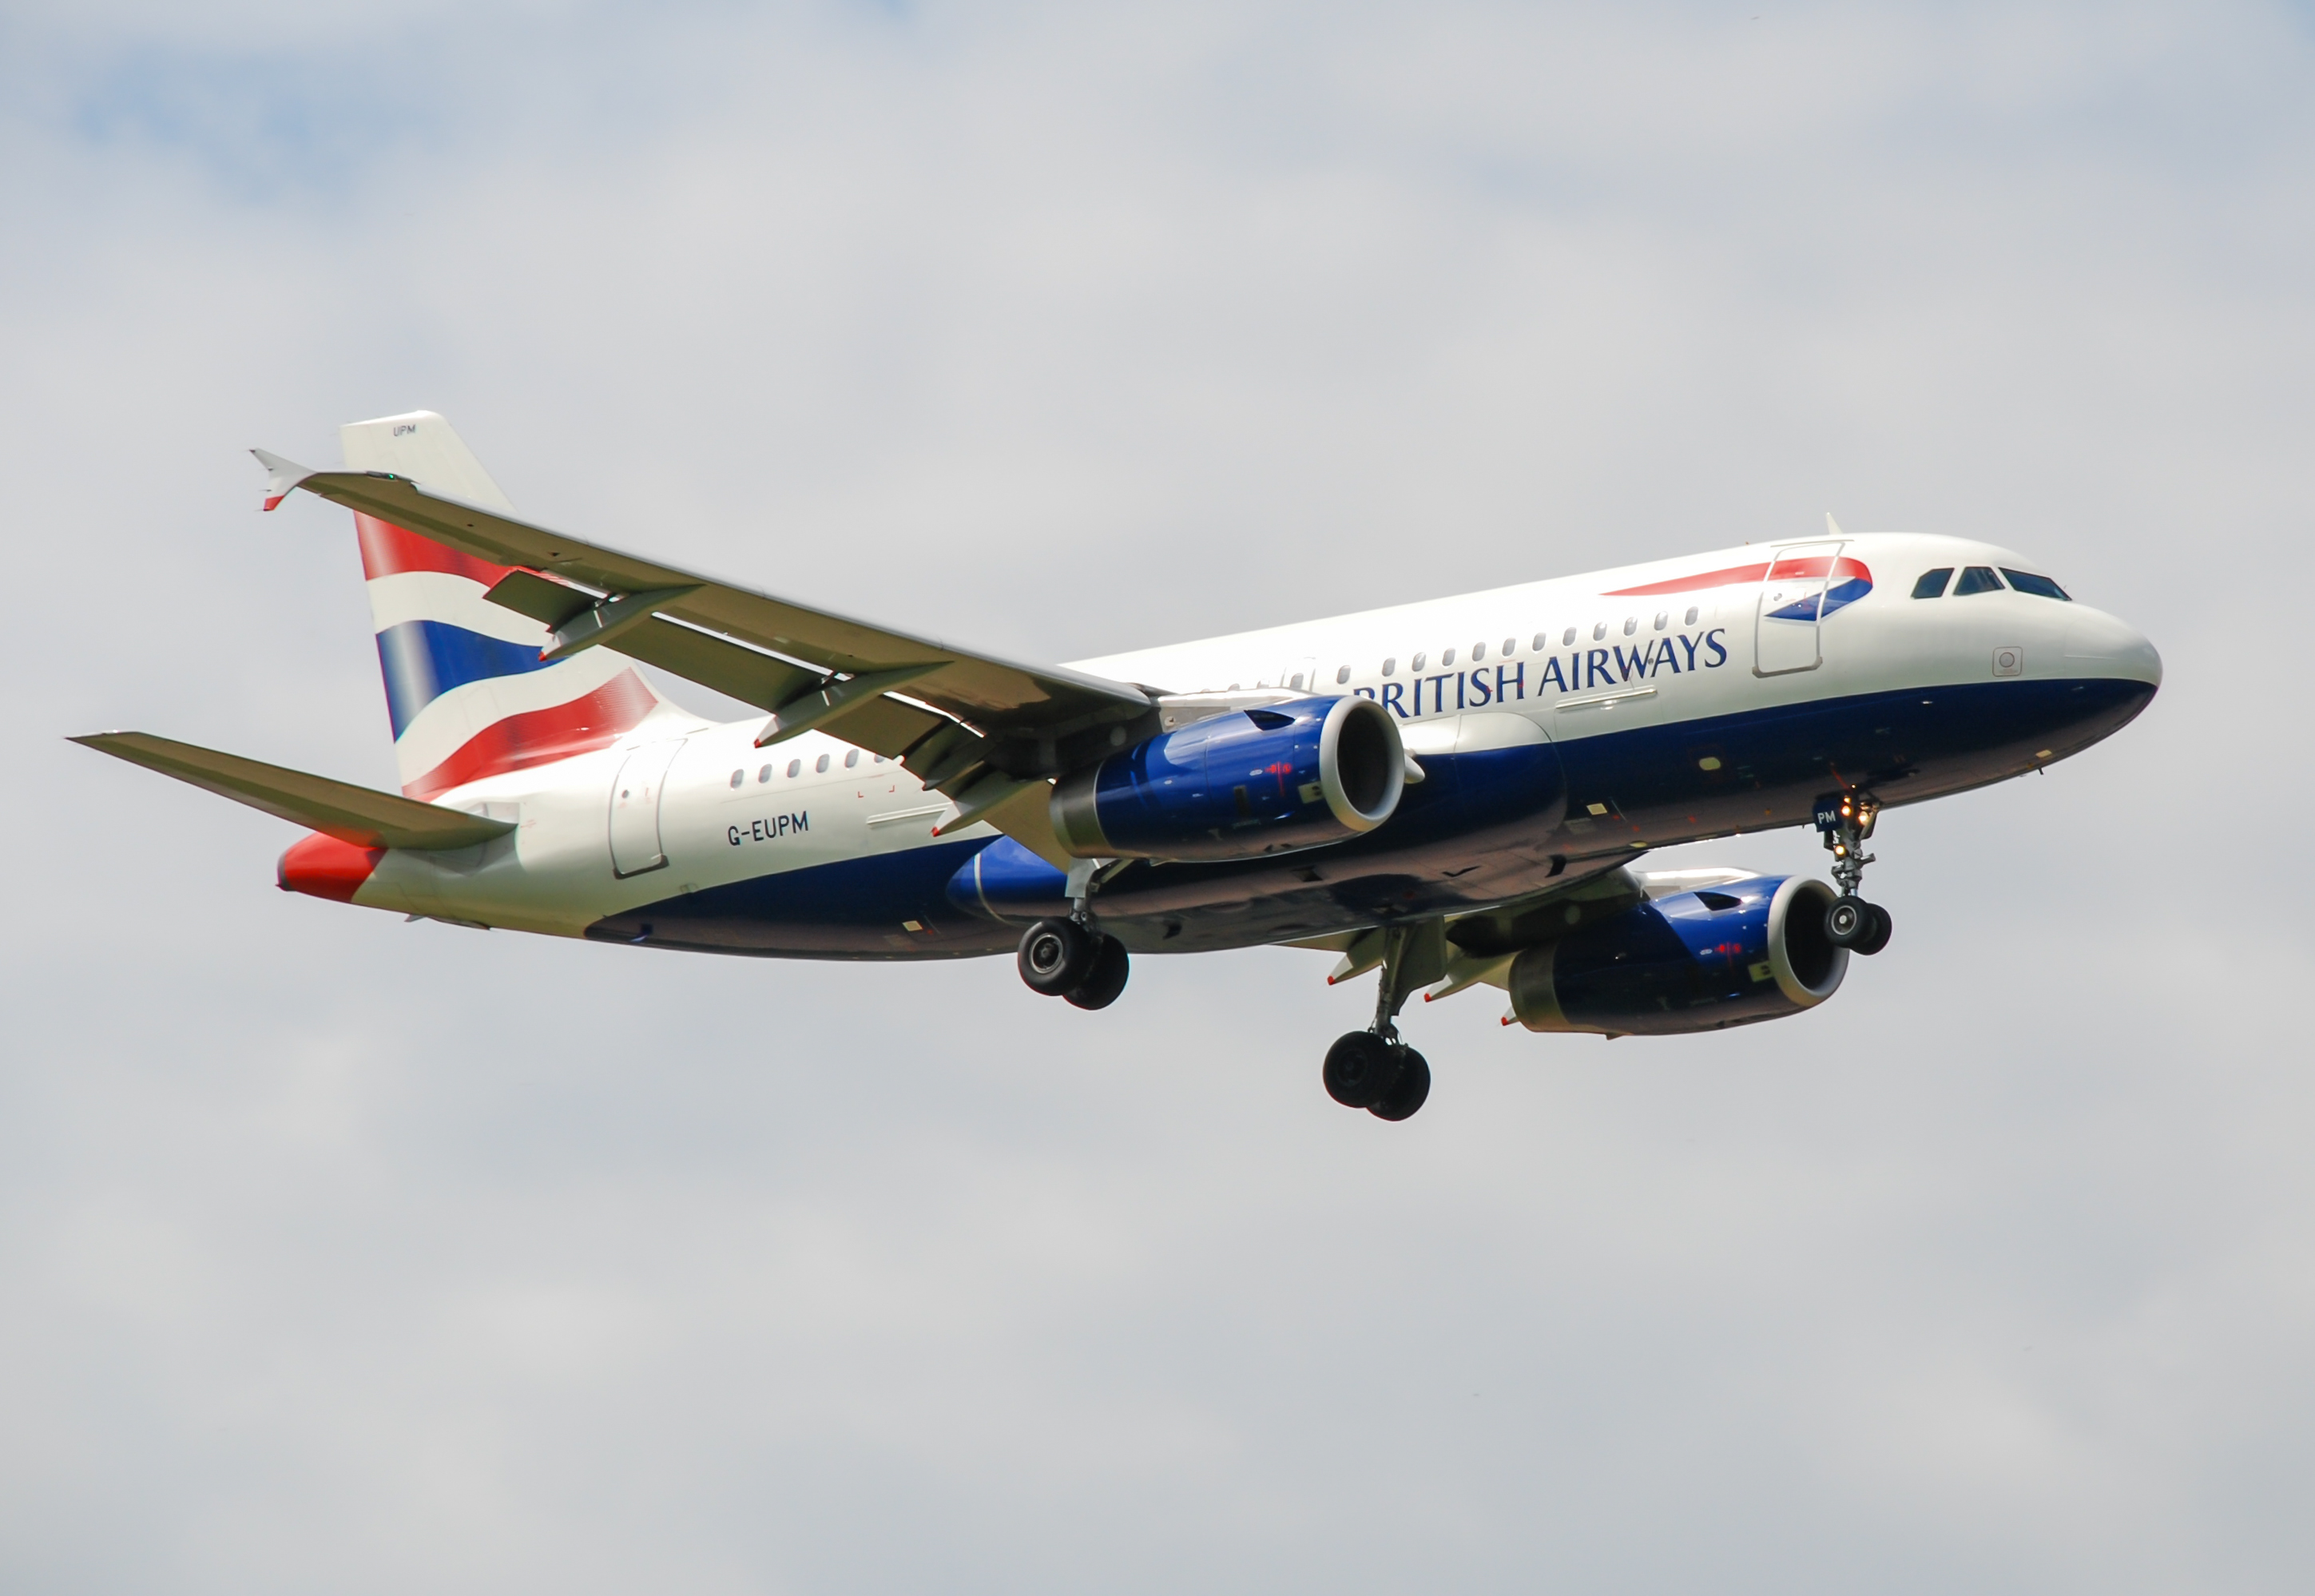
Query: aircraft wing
[[362, 816], [984, 731], [998, 696]]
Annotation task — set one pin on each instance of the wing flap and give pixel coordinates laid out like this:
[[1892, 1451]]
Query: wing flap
[[362, 816]]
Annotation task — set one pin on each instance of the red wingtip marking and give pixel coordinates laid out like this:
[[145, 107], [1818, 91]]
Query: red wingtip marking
[[324, 867], [273, 499]]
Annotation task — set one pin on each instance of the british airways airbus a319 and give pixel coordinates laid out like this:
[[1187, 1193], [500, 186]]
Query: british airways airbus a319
[[1453, 794]]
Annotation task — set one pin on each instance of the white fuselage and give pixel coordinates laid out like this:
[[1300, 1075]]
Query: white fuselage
[[1575, 659]]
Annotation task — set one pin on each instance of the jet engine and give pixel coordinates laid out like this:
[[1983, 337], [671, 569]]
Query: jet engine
[[1239, 785], [1701, 960]]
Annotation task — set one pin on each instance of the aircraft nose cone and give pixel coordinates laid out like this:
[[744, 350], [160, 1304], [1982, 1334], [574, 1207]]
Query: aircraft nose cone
[[2102, 646]]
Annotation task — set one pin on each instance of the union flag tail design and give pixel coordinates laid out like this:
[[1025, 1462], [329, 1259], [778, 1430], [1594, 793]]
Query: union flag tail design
[[465, 689]]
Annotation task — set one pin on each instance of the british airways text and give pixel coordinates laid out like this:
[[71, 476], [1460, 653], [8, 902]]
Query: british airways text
[[1577, 672]]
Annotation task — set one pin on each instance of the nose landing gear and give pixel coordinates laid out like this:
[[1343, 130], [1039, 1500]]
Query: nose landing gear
[[1846, 822], [1373, 1069]]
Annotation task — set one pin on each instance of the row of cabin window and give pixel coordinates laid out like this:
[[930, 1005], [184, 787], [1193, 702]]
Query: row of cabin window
[[795, 766], [1981, 579], [1511, 644]]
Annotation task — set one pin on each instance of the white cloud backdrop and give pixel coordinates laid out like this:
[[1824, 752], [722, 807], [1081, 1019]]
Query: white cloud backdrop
[[341, 1254]]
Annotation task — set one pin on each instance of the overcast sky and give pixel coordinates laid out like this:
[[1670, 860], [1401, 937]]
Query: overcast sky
[[341, 1255]]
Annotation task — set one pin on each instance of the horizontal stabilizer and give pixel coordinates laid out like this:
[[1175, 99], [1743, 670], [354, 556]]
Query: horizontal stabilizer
[[362, 816]]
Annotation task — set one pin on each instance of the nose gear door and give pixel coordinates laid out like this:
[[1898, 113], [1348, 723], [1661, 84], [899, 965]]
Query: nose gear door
[[635, 808], [1785, 629]]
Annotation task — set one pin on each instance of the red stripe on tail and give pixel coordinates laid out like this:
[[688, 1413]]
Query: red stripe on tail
[[388, 550], [543, 735]]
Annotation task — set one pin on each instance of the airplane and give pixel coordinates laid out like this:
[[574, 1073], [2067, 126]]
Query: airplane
[[1454, 793]]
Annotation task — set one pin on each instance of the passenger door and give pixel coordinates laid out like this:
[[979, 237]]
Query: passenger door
[[635, 808], [1785, 628]]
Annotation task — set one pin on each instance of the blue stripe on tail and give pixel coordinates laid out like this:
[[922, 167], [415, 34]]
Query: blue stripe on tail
[[423, 660]]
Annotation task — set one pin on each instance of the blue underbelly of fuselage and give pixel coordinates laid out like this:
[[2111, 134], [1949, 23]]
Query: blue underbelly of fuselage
[[1484, 827]]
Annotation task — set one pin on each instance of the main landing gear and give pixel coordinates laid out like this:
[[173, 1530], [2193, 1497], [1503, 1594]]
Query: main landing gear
[[1071, 958], [1852, 923], [1373, 1070]]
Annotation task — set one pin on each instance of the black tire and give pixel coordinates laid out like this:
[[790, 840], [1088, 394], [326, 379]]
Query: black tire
[[1106, 979], [1056, 956], [1848, 921], [1876, 934], [1361, 1069], [1409, 1092]]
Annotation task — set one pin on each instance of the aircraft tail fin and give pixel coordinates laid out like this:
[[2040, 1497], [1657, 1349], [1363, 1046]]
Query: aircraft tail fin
[[466, 687], [425, 448]]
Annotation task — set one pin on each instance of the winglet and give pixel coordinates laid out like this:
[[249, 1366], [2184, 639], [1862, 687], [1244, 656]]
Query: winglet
[[286, 476], [1832, 526]]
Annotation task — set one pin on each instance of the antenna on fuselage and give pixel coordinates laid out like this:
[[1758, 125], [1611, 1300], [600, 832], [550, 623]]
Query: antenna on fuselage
[[1832, 526]]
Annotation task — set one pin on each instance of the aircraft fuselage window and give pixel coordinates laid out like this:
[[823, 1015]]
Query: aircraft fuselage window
[[1389, 665], [764, 774], [738, 776], [1478, 653], [1342, 676], [1977, 579], [1692, 616], [1415, 664], [819, 766], [2041, 587], [1568, 638], [1631, 624], [1511, 646], [1446, 659], [795, 769], [851, 758], [1599, 630], [1932, 583], [1663, 619]]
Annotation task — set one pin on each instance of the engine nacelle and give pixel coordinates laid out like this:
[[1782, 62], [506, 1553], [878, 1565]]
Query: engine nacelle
[[1701, 960], [1240, 785]]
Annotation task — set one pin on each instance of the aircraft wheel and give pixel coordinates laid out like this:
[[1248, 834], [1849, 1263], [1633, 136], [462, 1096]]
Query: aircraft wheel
[[1876, 934], [1056, 956], [1409, 1092], [1106, 979], [1360, 1069], [1848, 921]]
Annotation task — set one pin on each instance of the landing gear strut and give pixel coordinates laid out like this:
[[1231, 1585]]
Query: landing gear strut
[[1072, 958], [1373, 1069], [1852, 923]]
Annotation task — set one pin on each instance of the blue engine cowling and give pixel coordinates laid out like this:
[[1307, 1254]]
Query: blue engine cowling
[[1240, 785], [1702, 960]]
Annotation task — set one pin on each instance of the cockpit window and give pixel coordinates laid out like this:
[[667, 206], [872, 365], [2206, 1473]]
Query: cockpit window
[[1932, 584], [1977, 579], [2041, 587]]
